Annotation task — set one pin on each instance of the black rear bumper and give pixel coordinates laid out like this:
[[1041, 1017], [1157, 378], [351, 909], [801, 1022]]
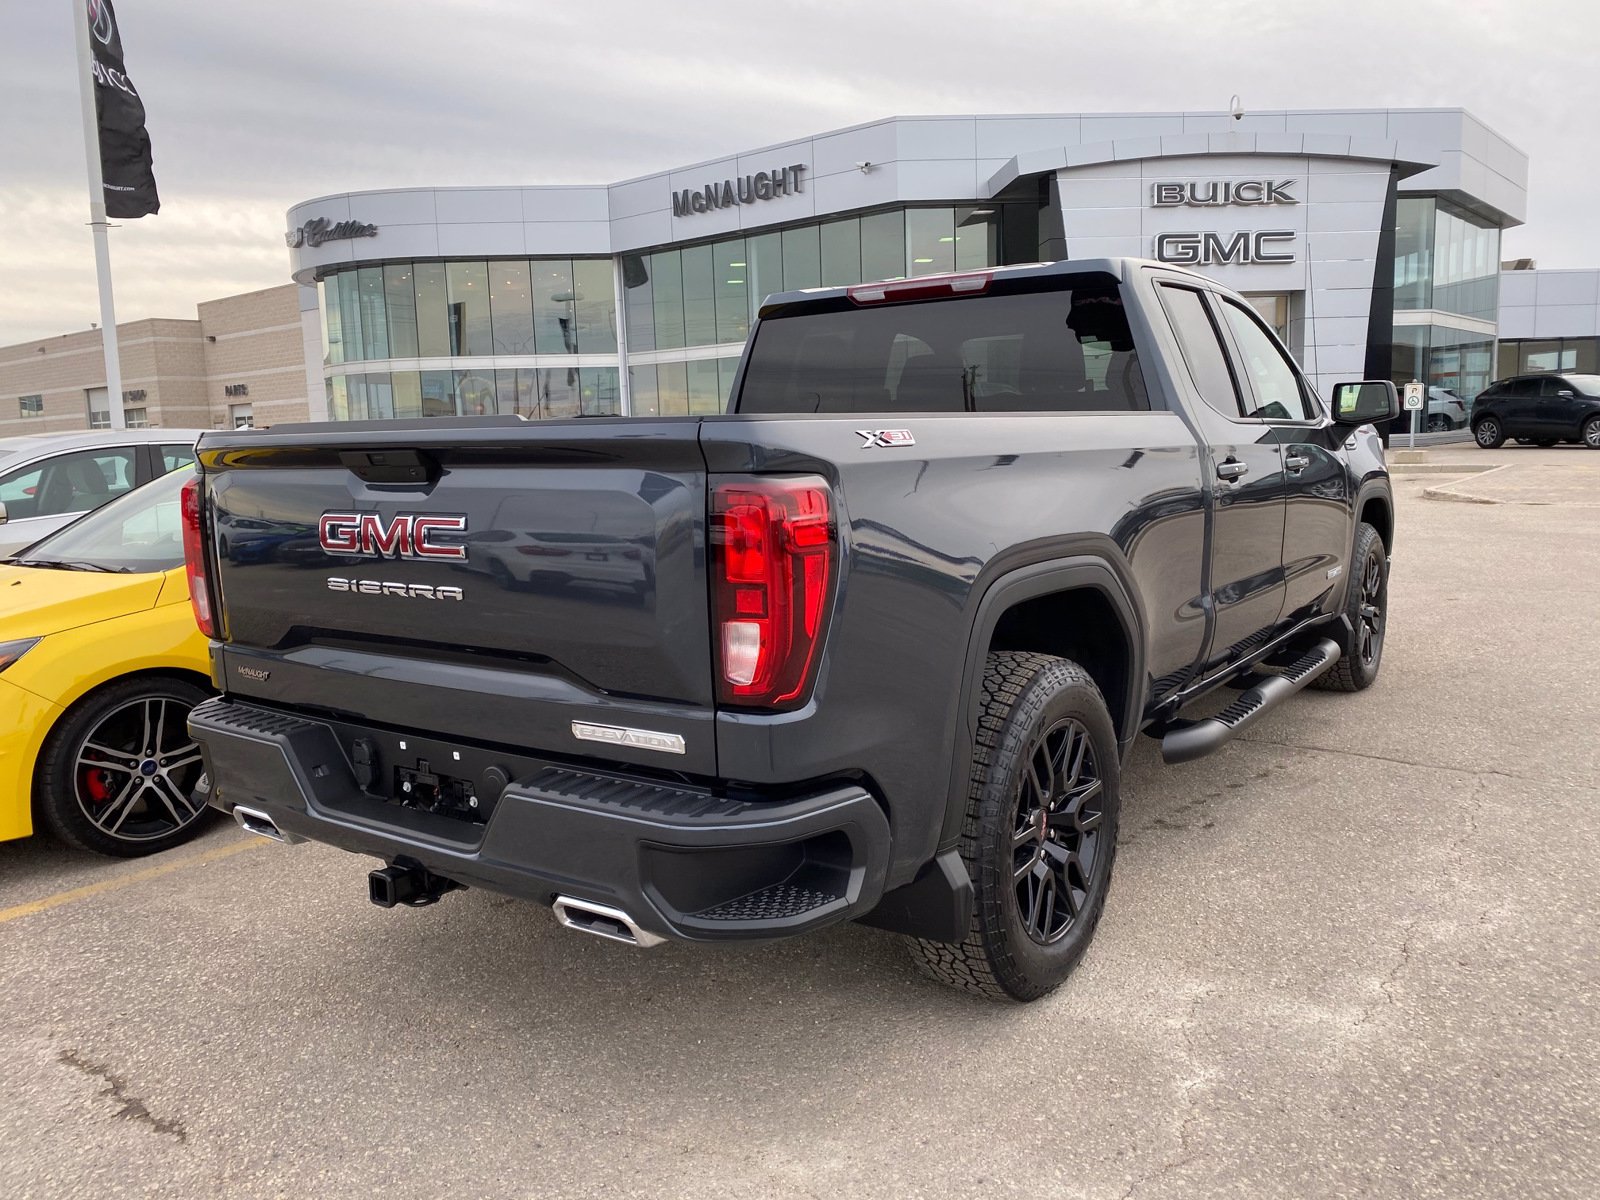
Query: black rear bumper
[[683, 862]]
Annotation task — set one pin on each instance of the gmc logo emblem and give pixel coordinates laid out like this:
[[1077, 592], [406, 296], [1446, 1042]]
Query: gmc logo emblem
[[1205, 249], [405, 535]]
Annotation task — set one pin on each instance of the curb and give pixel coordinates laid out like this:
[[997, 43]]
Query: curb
[[1444, 492]]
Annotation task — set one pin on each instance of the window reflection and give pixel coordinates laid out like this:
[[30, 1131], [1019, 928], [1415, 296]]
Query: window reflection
[[666, 277], [433, 321], [841, 253], [400, 301], [555, 320], [699, 297], [883, 246], [643, 398], [1445, 259], [704, 387], [930, 241], [802, 258], [672, 389], [639, 297], [511, 307], [468, 285], [731, 281], [705, 295], [370, 288], [766, 264], [595, 304]]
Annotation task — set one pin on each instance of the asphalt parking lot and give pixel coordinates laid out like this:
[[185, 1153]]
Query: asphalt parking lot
[[1355, 954]]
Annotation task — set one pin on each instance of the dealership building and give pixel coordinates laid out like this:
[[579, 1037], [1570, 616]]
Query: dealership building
[[1369, 239]]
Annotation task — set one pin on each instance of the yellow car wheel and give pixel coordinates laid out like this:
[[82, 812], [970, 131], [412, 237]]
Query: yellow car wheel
[[117, 774]]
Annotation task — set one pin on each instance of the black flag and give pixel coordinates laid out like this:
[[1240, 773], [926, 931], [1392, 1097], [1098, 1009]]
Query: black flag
[[130, 183]]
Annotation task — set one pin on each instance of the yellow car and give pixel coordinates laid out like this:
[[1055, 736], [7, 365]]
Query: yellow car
[[100, 663]]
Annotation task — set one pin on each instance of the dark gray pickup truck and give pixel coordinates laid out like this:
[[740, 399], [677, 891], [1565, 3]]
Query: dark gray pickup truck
[[874, 645]]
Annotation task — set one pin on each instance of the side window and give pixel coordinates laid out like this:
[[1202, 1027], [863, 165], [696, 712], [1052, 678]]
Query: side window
[[84, 480], [1553, 385], [1279, 394], [1523, 388], [1202, 349], [19, 492], [173, 457]]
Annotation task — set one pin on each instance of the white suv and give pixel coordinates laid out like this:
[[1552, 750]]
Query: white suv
[[46, 481]]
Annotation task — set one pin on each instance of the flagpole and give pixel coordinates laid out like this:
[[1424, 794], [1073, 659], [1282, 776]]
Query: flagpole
[[97, 212]]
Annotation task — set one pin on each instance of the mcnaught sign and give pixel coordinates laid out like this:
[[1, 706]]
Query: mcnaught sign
[[1264, 246], [725, 193]]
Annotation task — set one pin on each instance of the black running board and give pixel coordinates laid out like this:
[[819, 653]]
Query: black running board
[[1184, 741]]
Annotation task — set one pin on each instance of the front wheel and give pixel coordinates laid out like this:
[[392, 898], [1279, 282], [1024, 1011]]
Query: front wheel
[[1040, 831], [1591, 433], [118, 773], [1489, 434], [1367, 610]]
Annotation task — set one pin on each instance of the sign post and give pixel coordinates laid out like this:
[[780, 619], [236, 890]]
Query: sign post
[[1415, 396]]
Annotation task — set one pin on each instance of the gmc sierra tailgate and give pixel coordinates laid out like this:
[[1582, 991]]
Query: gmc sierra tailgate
[[472, 579]]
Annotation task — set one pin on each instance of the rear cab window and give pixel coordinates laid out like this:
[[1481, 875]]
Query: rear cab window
[[1066, 349]]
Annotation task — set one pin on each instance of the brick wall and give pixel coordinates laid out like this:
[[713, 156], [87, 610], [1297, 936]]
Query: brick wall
[[259, 345]]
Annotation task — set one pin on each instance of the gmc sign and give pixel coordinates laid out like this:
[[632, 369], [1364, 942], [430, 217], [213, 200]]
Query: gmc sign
[[405, 535], [1206, 249]]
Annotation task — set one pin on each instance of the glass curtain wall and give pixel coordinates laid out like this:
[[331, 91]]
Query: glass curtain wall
[[1445, 259], [535, 393], [677, 299], [469, 309], [1529, 356], [708, 295]]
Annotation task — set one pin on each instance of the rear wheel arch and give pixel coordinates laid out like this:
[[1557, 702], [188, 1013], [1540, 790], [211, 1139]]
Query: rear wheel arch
[[1082, 609]]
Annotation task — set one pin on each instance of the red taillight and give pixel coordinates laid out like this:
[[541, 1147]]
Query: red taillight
[[773, 550], [925, 287], [194, 557]]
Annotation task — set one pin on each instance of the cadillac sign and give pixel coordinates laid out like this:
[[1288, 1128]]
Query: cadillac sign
[[320, 229]]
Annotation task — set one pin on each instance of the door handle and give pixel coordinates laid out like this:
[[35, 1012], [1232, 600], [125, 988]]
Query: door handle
[[1232, 468], [1295, 463]]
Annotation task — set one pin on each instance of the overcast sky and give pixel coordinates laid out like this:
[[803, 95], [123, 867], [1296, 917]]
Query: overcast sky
[[254, 106]]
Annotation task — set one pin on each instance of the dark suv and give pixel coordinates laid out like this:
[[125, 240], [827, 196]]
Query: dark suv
[[1541, 409]]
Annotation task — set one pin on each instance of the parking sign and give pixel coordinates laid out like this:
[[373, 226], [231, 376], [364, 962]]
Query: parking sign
[[1413, 397]]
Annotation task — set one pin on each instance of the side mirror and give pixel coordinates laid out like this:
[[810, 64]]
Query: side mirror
[[1567, 394], [2, 512], [1366, 402]]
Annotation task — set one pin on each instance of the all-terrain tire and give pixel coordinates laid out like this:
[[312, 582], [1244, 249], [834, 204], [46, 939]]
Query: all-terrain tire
[[1366, 607], [1033, 704]]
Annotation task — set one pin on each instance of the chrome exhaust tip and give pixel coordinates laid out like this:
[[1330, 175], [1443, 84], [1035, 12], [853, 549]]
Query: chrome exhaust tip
[[610, 923], [254, 821]]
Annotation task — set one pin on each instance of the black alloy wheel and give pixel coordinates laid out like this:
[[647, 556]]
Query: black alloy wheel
[[1591, 433], [1056, 841], [1366, 610], [1039, 836], [1374, 597], [118, 774], [1488, 433]]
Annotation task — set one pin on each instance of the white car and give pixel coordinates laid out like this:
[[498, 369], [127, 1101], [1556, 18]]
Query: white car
[[1446, 410], [49, 479]]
